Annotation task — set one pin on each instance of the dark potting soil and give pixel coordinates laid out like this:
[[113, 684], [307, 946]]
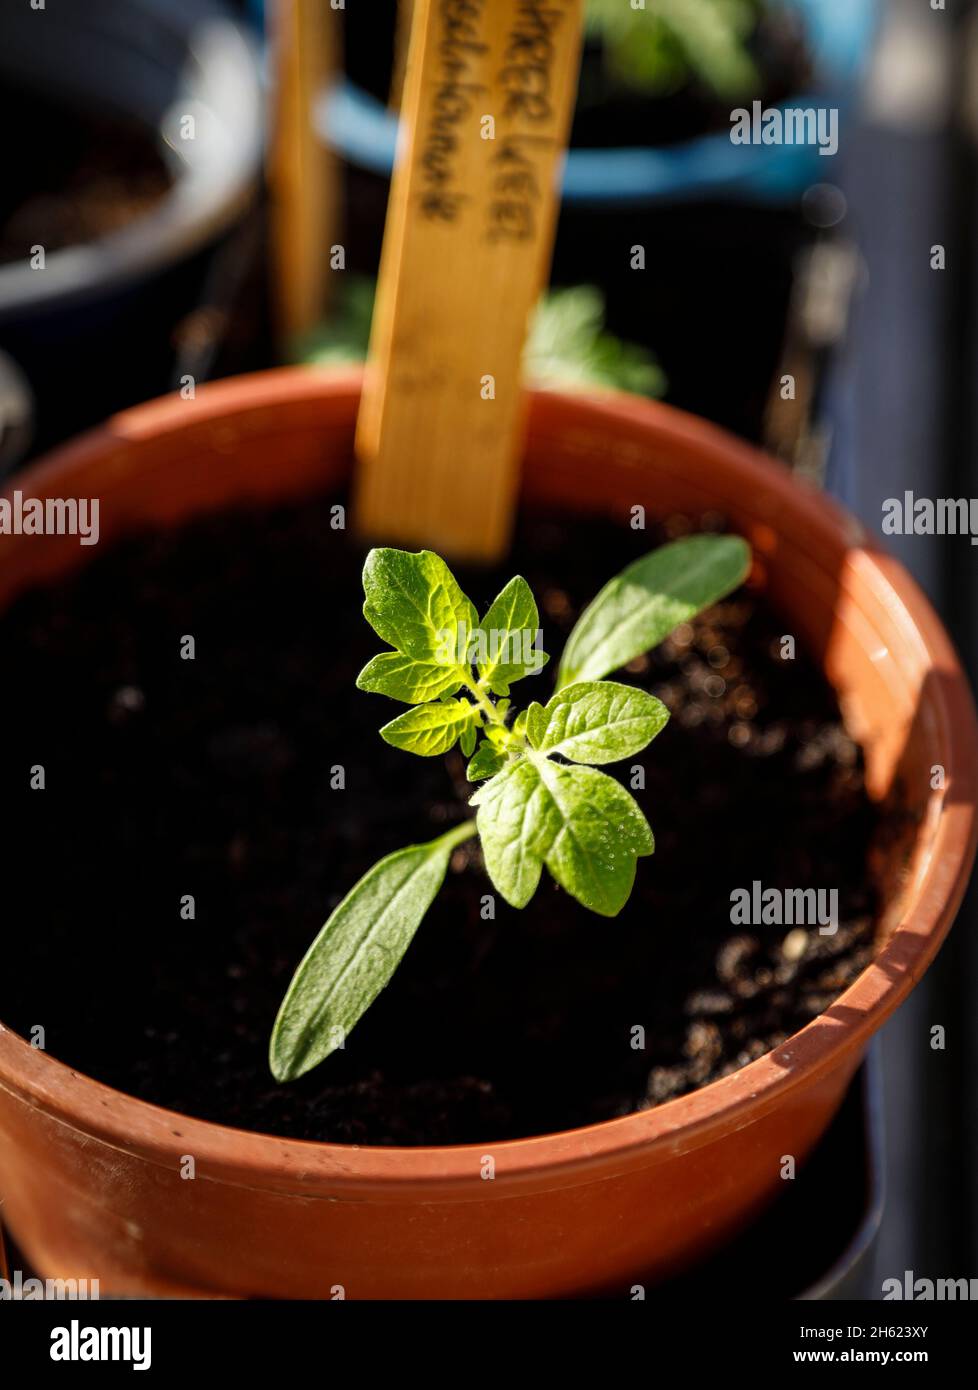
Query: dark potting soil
[[213, 777], [79, 175]]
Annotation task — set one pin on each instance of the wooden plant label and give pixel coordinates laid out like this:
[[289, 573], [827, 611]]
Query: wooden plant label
[[488, 96], [302, 177]]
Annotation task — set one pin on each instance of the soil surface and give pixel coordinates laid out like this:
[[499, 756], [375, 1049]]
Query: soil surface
[[77, 177], [212, 777]]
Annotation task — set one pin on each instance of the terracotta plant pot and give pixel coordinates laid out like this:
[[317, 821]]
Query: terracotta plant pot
[[91, 1179]]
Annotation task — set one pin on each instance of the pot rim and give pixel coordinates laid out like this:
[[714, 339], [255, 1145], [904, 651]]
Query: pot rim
[[679, 1125]]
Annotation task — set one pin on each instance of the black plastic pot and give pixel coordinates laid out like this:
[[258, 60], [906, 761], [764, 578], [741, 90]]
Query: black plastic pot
[[94, 329]]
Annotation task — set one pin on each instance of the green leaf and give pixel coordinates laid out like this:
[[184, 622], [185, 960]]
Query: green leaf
[[344, 336], [403, 678], [517, 824], [431, 729], [661, 49], [567, 347], [414, 603], [651, 597], [602, 834], [579, 822], [486, 763], [356, 953], [508, 638], [596, 722]]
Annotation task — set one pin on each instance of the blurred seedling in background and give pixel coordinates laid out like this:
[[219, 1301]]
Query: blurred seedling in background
[[567, 346], [665, 44]]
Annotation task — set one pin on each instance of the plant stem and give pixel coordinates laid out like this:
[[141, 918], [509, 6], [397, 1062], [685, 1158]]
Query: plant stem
[[484, 703], [458, 834]]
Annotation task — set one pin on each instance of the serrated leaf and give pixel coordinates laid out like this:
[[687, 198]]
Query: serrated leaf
[[637, 609], [508, 638], [517, 823], [415, 604], [603, 833], [431, 729], [486, 762], [402, 678], [596, 722], [579, 822], [356, 953]]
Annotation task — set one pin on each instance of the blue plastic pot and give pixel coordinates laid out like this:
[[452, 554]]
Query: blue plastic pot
[[364, 131]]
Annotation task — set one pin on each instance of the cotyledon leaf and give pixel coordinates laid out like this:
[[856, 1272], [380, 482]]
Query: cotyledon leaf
[[356, 953], [637, 609]]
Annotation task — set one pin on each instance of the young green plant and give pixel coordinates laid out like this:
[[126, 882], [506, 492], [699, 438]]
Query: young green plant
[[567, 347], [541, 802], [656, 47]]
